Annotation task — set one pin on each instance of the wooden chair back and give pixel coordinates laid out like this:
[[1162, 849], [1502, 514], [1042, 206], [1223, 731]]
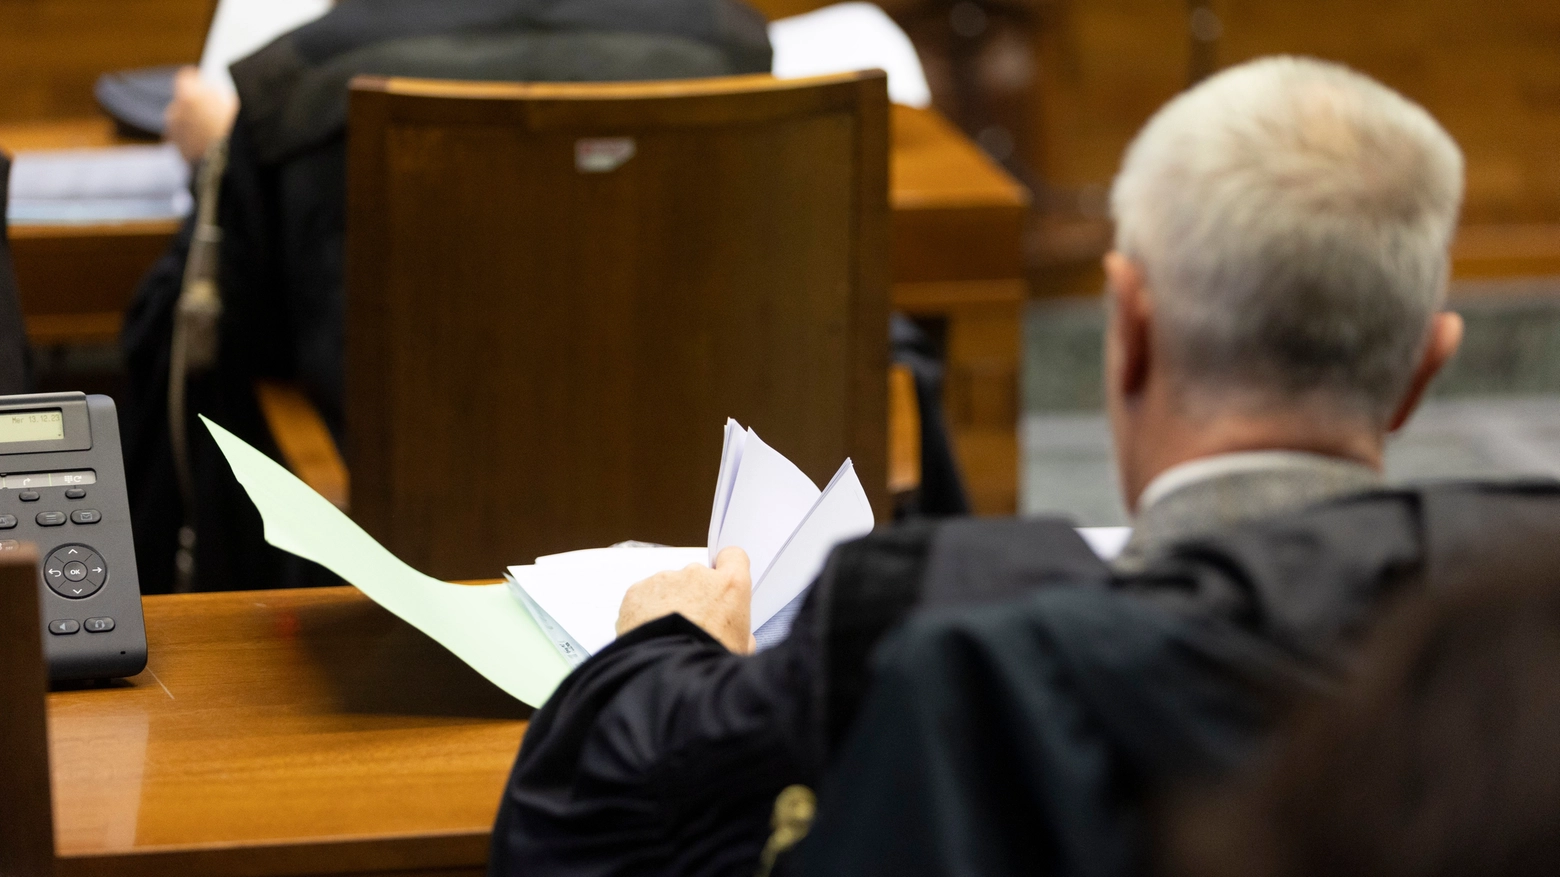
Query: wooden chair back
[[556, 295]]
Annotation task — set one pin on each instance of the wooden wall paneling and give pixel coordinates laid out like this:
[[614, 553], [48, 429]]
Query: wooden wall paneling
[[52, 51], [1489, 74], [26, 812], [541, 359]]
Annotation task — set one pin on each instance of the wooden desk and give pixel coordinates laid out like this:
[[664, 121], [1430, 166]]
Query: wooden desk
[[281, 732], [957, 259], [76, 280]]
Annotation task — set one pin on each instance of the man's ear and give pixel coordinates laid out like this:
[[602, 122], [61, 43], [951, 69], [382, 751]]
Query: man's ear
[[1130, 318], [1446, 334]]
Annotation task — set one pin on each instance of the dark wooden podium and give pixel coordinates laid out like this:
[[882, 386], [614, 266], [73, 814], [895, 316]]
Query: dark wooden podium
[[278, 732]]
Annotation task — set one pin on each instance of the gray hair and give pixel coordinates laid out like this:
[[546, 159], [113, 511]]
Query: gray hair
[[1292, 219]]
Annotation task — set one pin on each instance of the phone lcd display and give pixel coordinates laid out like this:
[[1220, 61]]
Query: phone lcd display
[[31, 426]]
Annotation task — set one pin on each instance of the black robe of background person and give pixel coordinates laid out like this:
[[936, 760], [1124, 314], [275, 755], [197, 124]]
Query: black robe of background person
[[15, 376], [1020, 723], [282, 213]]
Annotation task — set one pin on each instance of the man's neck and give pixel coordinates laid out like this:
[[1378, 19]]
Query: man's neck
[[1162, 443]]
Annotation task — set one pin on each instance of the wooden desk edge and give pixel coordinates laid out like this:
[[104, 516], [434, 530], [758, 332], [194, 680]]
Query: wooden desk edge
[[370, 855]]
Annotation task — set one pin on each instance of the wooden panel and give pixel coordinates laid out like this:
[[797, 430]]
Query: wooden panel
[[284, 732], [904, 432], [540, 359], [983, 322], [51, 51], [304, 440], [26, 829], [1489, 73], [75, 281], [957, 215]]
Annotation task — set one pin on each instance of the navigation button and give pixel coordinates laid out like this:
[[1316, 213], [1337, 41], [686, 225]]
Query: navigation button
[[7, 522], [86, 516], [64, 627], [97, 570], [99, 625], [75, 571], [28, 496], [75, 493], [50, 519]]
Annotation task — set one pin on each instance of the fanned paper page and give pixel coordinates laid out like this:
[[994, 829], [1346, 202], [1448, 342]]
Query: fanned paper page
[[763, 504], [846, 37], [482, 625]]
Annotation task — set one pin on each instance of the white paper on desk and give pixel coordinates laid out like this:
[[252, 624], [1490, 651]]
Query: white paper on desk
[[112, 184], [763, 504], [241, 27], [769, 498], [582, 590], [482, 625], [847, 37]]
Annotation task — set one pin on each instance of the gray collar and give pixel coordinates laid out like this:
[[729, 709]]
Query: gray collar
[[1235, 494]]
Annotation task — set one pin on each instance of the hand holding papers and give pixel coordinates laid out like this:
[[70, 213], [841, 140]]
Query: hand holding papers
[[567, 604], [763, 504]]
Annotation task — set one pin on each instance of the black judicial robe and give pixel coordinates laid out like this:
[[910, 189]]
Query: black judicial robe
[[15, 375], [1021, 721]]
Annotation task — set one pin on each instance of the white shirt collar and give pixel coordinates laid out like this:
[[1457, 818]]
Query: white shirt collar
[[1205, 468]]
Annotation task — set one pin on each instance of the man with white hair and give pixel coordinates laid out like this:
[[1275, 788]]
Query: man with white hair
[[1274, 312]]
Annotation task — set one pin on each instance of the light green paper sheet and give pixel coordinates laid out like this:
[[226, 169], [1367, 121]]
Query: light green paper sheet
[[482, 625]]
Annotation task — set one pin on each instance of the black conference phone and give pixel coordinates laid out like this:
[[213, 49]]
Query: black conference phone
[[62, 488]]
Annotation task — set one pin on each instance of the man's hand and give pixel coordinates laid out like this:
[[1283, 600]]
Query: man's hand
[[199, 116], [720, 600]]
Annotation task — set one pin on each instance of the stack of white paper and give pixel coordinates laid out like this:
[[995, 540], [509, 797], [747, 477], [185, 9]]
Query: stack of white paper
[[113, 184], [763, 505]]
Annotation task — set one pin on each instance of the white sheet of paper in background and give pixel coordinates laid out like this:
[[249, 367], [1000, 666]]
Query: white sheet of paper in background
[[482, 625], [769, 498], [112, 184], [730, 459], [1106, 542], [242, 27], [847, 37], [582, 590], [841, 513]]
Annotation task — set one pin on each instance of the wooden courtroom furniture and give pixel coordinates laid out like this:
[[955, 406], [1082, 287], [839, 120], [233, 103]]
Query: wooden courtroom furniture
[[957, 228], [958, 218], [276, 733], [540, 354]]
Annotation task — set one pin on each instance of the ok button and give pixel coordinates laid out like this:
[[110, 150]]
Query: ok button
[[75, 571]]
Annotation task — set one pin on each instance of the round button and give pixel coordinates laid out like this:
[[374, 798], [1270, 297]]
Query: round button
[[68, 571]]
